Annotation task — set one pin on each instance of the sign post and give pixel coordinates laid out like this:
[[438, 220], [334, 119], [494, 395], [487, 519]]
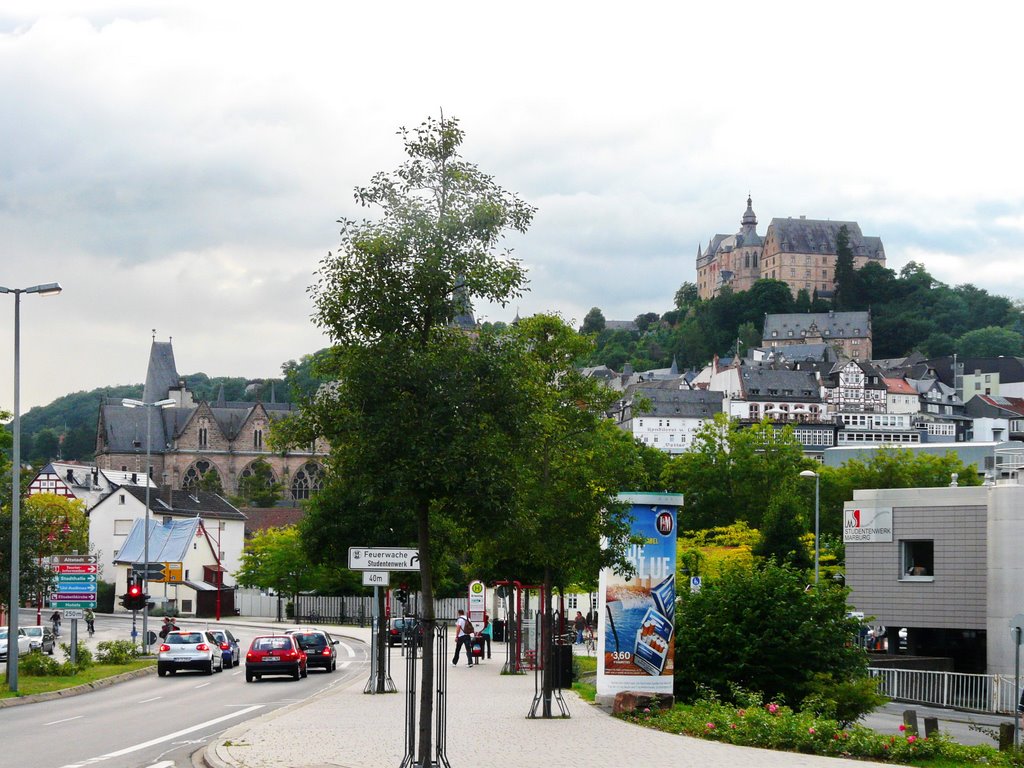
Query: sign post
[[1016, 628]]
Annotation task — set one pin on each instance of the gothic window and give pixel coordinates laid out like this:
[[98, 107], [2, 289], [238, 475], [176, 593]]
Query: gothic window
[[256, 467], [195, 473], [257, 439], [307, 481], [204, 437]]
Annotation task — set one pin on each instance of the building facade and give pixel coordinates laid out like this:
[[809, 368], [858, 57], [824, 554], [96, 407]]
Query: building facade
[[800, 252], [848, 333], [190, 439]]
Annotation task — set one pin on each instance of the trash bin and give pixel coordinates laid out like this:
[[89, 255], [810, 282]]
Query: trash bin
[[563, 666], [498, 630]]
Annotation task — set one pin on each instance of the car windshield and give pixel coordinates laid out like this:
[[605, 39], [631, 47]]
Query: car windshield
[[184, 638], [33, 631], [218, 636], [311, 640]]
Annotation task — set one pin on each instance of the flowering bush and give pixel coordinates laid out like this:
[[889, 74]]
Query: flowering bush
[[776, 726]]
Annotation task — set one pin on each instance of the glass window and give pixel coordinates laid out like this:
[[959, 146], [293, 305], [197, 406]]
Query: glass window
[[918, 559]]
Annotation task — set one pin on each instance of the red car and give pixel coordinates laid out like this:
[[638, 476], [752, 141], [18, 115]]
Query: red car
[[274, 655]]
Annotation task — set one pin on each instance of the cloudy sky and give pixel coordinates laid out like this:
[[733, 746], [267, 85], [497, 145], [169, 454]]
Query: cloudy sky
[[181, 166]]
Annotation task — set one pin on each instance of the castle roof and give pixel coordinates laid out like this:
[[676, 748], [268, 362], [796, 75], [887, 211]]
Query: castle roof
[[819, 236]]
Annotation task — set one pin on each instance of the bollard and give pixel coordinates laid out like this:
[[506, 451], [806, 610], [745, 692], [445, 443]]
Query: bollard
[[931, 726], [1005, 737], [910, 720]]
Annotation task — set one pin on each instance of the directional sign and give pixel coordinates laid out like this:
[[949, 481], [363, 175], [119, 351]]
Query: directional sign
[[75, 559], [76, 578], [74, 613], [62, 604], [383, 559], [74, 596], [159, 572], [375, 578], [76, 568]]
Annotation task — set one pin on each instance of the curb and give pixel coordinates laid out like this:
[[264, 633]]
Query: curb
[[76, 690]]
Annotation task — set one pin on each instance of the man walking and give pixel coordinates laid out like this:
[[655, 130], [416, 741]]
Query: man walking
[[463, 637]]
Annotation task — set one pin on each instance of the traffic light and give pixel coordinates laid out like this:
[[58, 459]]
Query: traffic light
[[134, 599], [401, 594]]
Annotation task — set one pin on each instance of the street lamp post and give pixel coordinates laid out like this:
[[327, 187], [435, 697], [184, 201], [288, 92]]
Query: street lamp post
[[46, 289], [130, 403], [817, 481]]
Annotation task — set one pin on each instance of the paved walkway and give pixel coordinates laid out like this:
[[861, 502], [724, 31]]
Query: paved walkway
[[487, 726]]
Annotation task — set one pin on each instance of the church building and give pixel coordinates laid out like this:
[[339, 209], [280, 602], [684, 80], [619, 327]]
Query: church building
[[190, 439]]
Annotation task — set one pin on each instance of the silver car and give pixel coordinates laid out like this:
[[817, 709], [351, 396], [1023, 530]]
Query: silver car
[[24, 643], [189, 649], [41, 639]]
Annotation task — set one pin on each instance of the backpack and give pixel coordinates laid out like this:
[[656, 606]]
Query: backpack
[[467, 628]]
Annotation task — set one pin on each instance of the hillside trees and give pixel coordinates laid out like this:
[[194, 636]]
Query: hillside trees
[[422, 417]]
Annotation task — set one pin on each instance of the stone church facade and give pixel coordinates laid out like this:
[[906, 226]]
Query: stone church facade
[[190, 439], [800, 252]]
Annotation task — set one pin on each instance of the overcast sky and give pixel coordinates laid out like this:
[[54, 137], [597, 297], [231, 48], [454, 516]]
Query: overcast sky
[[181, 166]]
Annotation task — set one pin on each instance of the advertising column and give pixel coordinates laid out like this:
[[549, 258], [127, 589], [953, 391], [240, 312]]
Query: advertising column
[[636, 629]]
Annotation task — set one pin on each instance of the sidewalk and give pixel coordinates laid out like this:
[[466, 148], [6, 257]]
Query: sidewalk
[[487, 726]]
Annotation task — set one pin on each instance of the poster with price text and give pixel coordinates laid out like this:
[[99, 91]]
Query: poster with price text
[[636, 629]]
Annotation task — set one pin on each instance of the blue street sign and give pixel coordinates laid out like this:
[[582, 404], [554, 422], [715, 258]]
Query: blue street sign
[[76, 578]]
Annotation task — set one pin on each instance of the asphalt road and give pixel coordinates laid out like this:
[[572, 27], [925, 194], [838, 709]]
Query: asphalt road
[[152, 721]]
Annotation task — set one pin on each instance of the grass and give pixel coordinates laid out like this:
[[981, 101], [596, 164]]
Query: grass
[[31, 684]]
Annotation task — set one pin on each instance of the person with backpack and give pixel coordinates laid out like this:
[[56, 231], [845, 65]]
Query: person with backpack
[[463, 637]]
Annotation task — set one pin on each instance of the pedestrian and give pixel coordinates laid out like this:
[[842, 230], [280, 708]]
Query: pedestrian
[[463, 637], [55, 620], [167, 627], [485, 636], [579, 624], [90, 621]]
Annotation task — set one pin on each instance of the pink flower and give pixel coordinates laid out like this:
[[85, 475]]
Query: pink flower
[[773, 708], [732, 725], [811, 730], [885, 746], [741, 712], [647, 710], [911, 739], [902, 727], [709, 726]]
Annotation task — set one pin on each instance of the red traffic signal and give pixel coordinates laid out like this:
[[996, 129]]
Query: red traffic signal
[[134, 599], [134, 591]]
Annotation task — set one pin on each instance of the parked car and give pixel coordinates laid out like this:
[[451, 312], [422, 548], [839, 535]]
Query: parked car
[[24, 643], [40, 639], [319, 647], [400, 626], [189, 649], [274, 655], [228, 646]]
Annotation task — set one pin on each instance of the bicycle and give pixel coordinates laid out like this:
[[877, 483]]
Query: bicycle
[[589, 641]]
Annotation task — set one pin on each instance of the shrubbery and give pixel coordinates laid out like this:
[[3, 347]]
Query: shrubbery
[[116, 652], [753, 723]]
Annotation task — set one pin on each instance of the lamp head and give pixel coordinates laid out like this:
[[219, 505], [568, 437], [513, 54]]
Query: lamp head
[[808, 473]]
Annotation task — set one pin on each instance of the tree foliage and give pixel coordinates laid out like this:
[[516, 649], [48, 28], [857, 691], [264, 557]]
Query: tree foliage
[[259, 488], [274, 558], [760, 630]]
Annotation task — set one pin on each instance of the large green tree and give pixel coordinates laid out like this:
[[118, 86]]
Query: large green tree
[[421, 416], [275, 559]]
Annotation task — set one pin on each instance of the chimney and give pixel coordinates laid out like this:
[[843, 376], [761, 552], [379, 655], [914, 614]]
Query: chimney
[[135, 478], [71, 475]]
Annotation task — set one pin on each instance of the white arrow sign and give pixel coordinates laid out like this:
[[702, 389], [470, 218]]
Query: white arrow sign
[[383, 559]]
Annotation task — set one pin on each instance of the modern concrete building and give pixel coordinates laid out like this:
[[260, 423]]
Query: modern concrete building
[[944, 563]]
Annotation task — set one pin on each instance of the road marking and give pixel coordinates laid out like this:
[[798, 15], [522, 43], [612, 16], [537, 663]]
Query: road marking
[[349, 649], [176, 734], [345, 664], [164, 764], [66, 719], [202, 685], [146, 701]]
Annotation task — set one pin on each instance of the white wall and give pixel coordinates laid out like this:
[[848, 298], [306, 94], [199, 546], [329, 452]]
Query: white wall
[[1005, 572]]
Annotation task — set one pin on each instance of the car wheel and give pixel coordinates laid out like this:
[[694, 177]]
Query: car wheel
[[161, 672], [220, 667], [297, 673], [248, 677], [305, 671], [209, 668]]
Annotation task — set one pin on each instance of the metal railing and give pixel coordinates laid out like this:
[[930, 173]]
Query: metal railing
[[956, 690]]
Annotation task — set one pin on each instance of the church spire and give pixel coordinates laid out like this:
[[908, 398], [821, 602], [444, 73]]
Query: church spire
[[748, 215]]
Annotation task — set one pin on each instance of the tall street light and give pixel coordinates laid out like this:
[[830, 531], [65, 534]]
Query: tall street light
[[46, 289], [129, 403], [817, 482]]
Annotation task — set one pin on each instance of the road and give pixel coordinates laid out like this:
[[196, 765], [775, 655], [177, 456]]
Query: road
[[153, 721]]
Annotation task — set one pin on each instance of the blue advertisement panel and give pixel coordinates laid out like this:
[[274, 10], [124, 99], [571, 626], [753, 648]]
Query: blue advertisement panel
[[636, 629]]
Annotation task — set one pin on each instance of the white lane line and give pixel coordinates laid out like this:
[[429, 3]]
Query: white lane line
[[66, 719], [349, 649], [146, 701], [176, 734], [202, 685], [164, 764]]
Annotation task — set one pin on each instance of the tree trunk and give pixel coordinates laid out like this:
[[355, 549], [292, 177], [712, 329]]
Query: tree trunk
[[425, 747]]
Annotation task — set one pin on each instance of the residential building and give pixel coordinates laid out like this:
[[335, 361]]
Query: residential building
[[848, 333], [113, 519], [85, 482], [997, 415], [191, 439], [671, 415], [204, 589]]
